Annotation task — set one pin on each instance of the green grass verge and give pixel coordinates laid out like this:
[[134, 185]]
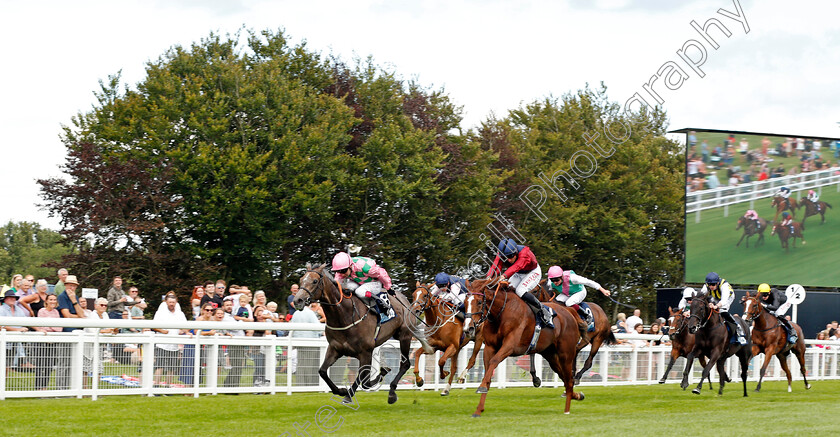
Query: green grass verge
[[710, 246], [628, 410]]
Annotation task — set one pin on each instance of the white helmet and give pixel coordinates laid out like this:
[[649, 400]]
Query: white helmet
[[689, 293]]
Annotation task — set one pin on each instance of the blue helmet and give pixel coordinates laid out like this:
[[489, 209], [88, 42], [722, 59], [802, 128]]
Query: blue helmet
[[712, 278], [442, 280], [508, 247], [785, 214]]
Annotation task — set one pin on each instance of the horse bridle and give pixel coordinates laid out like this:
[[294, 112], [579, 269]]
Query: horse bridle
[[309, 292], [758, 314], [485, 314]]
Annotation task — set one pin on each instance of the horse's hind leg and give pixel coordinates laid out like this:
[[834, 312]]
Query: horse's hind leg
[[450, 353], [405, 363], [417, 378], [783, 363], [799, 351], [721, 369], [566, 373], [668, 368], [744, 357], [593, 350], [533, 370], [703, 363]]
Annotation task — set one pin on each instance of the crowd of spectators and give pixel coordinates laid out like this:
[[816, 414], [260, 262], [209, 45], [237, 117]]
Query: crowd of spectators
[[755, 163], [212, 301]]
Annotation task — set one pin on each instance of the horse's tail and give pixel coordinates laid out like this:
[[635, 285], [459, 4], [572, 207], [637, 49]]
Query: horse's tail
[[611, 338], [827, 204]]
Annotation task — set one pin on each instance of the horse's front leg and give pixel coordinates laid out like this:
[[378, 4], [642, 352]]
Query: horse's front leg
[[417, 378], [707, 371], [490, 366], [689, 362], [533, 370], [329, 359]]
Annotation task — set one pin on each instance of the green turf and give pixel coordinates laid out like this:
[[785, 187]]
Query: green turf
[[625, 410], [710, 246]]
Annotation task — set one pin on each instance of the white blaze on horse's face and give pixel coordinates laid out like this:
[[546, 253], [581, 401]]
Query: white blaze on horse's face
[[469, 306], [747, 307]]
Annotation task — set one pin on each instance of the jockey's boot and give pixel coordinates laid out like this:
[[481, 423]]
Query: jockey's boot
[[587, 316], [792, 337], [385, 304], [541, 313], [734, 327]]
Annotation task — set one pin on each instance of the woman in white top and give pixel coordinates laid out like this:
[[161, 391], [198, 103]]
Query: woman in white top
[[100, 312]]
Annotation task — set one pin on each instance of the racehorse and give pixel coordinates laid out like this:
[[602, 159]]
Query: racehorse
[[682, 342], [602, 333], [508, 324], [781, 205], [770, 337], [813, 208], [750, 229], [447, 335], [785, 233], [711, 339], [353, 330]]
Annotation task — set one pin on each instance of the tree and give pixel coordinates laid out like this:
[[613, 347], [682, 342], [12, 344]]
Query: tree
[[27, 248]]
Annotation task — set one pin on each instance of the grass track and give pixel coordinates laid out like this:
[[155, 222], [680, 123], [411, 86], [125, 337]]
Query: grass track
[[710, 246], [627, 410]]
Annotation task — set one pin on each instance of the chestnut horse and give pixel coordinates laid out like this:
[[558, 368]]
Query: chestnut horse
[[780, 205], [447, 334], [682, 342], [508, 324], [770, 337], [711, 339], [353, 330], [785, 234], [750, 229], [813, 208], [602, 333]]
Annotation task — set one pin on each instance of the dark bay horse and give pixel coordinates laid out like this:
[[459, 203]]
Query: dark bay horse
[[780, 205], [750, 229], [602, 333], [785, 234], [353, 330], [770, 337], [443, 332], [682, 342], [813, 208], [508, 324], [711, 339]]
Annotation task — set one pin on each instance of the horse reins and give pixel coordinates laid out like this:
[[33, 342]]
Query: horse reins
[[309, 293]]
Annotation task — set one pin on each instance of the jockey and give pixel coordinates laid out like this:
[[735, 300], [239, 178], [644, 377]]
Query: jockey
[[687, 295], [776, 303], [752, 215], [787, 220], [784, 193], [363, 277], [452, 289], [523, 274], [813, 196], [722, 296], [571, 292]]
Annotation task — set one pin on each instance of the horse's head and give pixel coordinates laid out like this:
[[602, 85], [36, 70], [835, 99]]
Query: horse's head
[[752, 306], [476, 305], [777, 201], [311, 285], [421, 297], [699, 313], [742, 221], [673, 325]]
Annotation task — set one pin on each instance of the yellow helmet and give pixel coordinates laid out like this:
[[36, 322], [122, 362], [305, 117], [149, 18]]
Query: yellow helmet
[[764, 288]]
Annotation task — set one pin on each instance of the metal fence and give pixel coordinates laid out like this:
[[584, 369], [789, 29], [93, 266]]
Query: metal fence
[[80, 364], [751, 192]]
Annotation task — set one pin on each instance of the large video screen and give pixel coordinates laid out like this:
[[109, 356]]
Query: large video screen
[[739, 188]]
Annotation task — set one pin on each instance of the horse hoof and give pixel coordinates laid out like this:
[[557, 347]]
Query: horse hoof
[[481, 390], [392, 397], [696, 391], [461, 380], [420, 382], [582, 397], [662, 381], [536, 381], [347, 400], [475, 415], [807, 386], [444, 393], [577, 382], [757, 390]]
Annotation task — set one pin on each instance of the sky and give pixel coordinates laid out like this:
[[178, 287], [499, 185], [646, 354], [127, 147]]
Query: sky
[[489, 56]]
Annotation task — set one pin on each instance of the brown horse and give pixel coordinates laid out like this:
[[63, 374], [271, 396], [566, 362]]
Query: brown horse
[[353, 330], [750, 229], [602, 333], [813, 208], [785, 234], [682, 342], [780, 205], [447, 334], [770, 337], [711, 339], [508, 324]]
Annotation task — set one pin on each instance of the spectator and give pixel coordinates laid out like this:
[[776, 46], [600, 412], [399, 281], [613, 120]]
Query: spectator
[[236, 352], [100, 308], [17, 282], [84, 304], [744, 146], [195, 301], [217, 296], [259, 299], [45, 352], [68, 307], [272, 307], [244, 312], [307, 356], [635, 319], [166, 354], [821, 336], [655, 329], [638, 329], [11, 308], [319, 311], [117, 300], [712, 180], [261, 314], [35, 301], [621, 323], [291, 308], [59, 286]]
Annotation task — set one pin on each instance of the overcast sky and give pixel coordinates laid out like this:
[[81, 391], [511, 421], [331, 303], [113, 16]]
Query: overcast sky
[[490, 56]]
